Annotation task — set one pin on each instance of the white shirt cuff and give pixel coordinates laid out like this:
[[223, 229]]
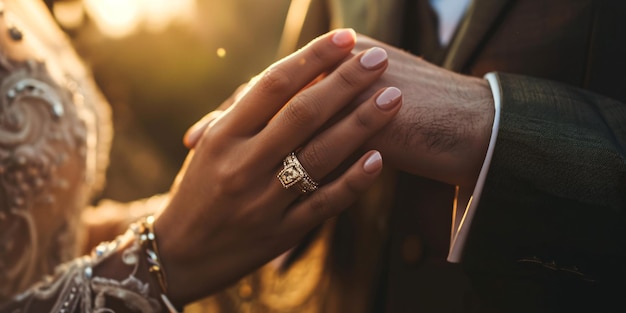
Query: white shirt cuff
[[461, 221]]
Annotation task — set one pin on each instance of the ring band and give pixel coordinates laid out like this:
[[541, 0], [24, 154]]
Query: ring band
[[293, 173]]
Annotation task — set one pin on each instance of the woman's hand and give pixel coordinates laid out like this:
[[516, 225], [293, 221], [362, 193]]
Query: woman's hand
[[229, 213]]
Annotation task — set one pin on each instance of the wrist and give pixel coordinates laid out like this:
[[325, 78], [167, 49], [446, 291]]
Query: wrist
[[149, 254], [133, 258], [184, 280], [477, 131]]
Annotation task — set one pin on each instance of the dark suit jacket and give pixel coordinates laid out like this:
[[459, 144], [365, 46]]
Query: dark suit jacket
[[549, 230]]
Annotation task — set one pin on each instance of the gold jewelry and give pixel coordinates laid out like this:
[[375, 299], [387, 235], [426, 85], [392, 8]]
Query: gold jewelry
[[293, 173], [147, 240]]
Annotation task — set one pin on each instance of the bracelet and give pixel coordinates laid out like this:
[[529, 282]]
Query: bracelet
[[144, 231]]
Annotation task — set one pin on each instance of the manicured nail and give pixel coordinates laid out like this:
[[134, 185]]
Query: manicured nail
[[344, 37], [373, 163], [386, 100], [373, 57]]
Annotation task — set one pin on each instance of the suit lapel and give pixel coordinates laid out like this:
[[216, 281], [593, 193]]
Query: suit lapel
[[481, 16]]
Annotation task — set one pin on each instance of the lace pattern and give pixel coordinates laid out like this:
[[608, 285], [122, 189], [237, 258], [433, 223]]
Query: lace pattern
[[54, 141], [75, 288]]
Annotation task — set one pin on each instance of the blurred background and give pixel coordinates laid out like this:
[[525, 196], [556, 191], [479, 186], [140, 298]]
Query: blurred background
[[162, 65]]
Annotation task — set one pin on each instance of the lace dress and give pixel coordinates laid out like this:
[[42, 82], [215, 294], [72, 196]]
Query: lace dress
[[54, 141]]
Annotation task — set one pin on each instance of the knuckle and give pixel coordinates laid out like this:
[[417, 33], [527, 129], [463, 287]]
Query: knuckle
[[353, 187], [216, 133], [274, 80], [312, 157], [230, 181], [318, 53], [348, 79], [364, 120], [302, 110], [321, 205]]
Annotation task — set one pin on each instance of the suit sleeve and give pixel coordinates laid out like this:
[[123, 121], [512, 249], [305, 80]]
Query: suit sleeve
[[551, 220]]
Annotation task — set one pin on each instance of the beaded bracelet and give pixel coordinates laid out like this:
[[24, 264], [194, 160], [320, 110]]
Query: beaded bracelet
[[144, 231]]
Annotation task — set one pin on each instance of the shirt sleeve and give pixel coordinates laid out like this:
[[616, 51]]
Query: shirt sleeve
[[462, 219]]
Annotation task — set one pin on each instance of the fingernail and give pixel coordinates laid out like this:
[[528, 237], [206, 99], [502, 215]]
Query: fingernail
[[344, 37], [373, 57], [196, 131], [373, 163], [386, 100]]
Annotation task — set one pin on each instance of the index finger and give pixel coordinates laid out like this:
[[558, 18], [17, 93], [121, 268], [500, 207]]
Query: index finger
[[282, 80]]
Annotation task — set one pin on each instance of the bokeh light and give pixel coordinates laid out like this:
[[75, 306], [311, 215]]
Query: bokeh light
[[119, 18], [221, 52]]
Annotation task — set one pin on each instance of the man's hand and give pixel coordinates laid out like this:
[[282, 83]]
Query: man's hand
[[443, 129]]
